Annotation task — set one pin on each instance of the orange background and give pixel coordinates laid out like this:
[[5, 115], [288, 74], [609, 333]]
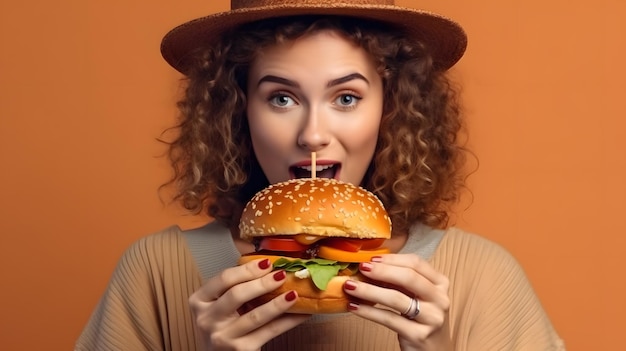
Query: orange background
[[84, 93]]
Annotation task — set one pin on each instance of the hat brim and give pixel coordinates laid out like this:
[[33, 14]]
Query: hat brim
[[445, 39]]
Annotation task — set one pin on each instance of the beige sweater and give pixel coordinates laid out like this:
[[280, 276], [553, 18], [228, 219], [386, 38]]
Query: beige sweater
[[493, 306]]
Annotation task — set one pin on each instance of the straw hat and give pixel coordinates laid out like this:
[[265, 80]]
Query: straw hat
[[444, 37]]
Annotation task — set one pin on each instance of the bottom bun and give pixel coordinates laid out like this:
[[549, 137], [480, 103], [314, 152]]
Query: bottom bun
[[311, 300]]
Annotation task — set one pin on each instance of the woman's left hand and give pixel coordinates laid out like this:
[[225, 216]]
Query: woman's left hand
[[398, 278]]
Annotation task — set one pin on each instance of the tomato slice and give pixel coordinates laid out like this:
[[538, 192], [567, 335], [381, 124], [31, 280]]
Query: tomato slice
[[370, 244], [343, 244], [281, 244], [332, 253]]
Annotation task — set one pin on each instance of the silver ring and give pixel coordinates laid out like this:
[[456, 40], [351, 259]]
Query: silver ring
[[413, 310]]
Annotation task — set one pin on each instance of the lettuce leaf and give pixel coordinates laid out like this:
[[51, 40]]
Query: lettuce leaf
[[321, 270]]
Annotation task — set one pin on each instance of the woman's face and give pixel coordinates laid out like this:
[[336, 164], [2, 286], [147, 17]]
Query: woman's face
[[318, 93]]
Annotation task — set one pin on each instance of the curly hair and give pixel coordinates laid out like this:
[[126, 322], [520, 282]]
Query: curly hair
[[417, 167]]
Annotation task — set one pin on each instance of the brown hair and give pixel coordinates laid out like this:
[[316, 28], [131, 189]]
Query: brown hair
[[416, 169]]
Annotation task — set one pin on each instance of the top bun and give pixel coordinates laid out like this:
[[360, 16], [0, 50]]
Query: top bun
[[320, 206]]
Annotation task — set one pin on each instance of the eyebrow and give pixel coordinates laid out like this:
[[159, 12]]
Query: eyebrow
[[291, 83], [279, 80], [347, 78]]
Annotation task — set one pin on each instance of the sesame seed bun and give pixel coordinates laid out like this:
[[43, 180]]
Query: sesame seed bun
[[320, 206]]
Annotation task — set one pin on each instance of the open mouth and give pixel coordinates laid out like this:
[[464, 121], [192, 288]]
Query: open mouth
[[321, 171]]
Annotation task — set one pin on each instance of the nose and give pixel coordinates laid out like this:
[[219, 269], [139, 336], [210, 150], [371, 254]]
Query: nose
[[314, 134]]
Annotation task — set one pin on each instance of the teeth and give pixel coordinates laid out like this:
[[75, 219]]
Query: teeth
[[318, 168]]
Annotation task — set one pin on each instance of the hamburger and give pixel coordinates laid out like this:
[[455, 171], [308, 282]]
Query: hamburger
[[318, 230]]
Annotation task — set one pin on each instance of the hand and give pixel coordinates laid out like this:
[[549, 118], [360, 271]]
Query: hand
[[397, 279], [215, 304]]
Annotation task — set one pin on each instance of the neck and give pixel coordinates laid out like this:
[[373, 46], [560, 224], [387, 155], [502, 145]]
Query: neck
[[397, 242], [242, 246]]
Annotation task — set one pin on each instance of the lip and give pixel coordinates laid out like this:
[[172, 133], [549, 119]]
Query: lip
[[322, 162], [308, 162]]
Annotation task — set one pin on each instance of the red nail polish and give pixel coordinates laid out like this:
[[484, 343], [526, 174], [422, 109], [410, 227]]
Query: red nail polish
[[280, 275], [265, 264], [350, 285], [353, 306], [376, 259], [291, 296], [366, 266]]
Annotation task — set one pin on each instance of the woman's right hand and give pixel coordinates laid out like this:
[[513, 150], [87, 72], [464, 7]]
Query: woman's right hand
[[215, 304]]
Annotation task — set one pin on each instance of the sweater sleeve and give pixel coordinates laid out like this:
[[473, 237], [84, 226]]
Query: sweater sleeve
[[497, 308], [144, 306]]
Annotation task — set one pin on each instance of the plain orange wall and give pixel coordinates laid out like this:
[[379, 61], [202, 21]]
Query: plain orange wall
[[84, 93]]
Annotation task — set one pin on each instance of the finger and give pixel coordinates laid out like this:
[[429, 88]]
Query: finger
[[216, 286], [407, 279], [261, 322], [404, 327], [239, 294], [262, 335], [394, 301], [391, 298], [279, 326], [417, 263]]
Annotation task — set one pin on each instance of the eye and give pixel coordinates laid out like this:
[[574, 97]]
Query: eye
[[347, 100], [281, 100]]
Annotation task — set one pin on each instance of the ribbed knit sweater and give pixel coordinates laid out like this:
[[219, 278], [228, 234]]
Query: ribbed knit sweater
[[492, 304]]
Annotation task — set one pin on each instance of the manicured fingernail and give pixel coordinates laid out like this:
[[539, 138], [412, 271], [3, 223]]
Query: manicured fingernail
[[265, 264], [353, 306], [377, 259], [366, 266], [350, 285], [280, 275], [291, 296]]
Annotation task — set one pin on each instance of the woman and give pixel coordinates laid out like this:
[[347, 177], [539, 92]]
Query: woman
[[268, 83]]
